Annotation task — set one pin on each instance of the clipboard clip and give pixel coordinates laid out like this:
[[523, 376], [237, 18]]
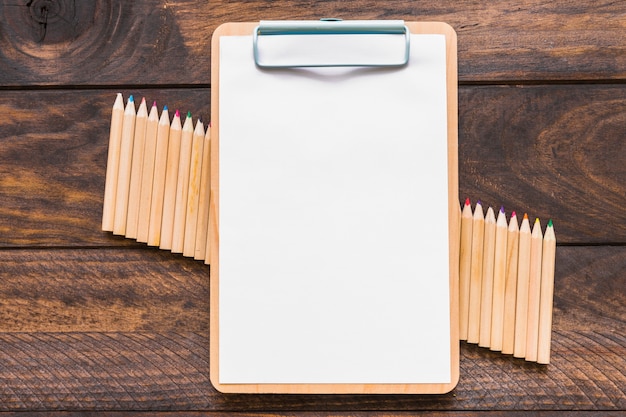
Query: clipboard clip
[[331, 26]]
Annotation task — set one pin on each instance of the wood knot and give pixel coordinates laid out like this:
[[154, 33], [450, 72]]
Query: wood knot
[[49, 17]]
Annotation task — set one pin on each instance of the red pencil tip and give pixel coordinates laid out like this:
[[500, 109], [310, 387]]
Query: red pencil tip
[[467, 201]]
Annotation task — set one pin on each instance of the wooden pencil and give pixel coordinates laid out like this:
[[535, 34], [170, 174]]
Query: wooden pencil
[[171, 179], [134, 192], [182, 186], [499, 280], [465, 263], [547, 294], [193, 195], [510, 285], [523, 276], [123, 175], [158, 181], [534, 292], [486, 300], [147, 174], [113, 161], [476, 274], [203, 203]]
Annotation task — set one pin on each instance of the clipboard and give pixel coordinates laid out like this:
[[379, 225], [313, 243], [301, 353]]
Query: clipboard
[[309, 292]]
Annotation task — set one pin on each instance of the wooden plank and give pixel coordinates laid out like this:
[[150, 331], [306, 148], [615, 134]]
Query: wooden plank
[[169, 371], [507, 413], [554, 151], [104, 290], [53, 155], [153, 42], [85, 360]]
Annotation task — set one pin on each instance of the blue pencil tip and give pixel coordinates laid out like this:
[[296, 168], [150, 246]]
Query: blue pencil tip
[[131, 99], [164, 108]]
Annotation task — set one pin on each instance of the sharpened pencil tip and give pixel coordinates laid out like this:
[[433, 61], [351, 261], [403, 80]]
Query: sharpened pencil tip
[[468, 202], [479, 203], [550, 223], [131, 99], [502, 209], [189, 115], [177, 114], [164, 108], [154, 103], [513, 214]]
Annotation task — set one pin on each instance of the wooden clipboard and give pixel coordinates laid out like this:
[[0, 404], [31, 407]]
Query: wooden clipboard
[[453, 215]]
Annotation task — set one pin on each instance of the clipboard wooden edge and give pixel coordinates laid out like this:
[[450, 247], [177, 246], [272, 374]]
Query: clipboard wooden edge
[[454, 214]]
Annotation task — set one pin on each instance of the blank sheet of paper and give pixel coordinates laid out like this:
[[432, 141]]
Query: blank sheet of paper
[[333, 220]]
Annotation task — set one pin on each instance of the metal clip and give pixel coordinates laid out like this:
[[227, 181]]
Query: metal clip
[[331, 26]]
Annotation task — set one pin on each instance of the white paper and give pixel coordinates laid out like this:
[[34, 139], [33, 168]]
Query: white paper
[[333, 221]]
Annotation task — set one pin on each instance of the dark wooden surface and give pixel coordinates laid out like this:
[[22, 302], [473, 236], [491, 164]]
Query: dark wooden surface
[[90, 322]]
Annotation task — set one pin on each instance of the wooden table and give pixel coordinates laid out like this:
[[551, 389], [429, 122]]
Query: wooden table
[[94, 322]]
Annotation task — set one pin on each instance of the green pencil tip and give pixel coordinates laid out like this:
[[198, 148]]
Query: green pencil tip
[[550, 223], [189, 114]]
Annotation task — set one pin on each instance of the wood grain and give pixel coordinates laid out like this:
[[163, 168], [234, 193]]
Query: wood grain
[[169, 371], [553, 151], [102, 290], [53, 153], [62, 348], [99, 42]]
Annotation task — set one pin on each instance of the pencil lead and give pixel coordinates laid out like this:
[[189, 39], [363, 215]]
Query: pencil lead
[[164, 107], [502, 209], [550, 223], [513, 214], [154, 103], [468, 202], [526, 216], [177, 114], [479, 203], [189, 115], [143, 100], [537, 220], [131, 99]]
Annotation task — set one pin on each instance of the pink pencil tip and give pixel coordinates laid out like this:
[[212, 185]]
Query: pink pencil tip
[[143, 100], [513, 214], [154, 103], [177, 114]]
